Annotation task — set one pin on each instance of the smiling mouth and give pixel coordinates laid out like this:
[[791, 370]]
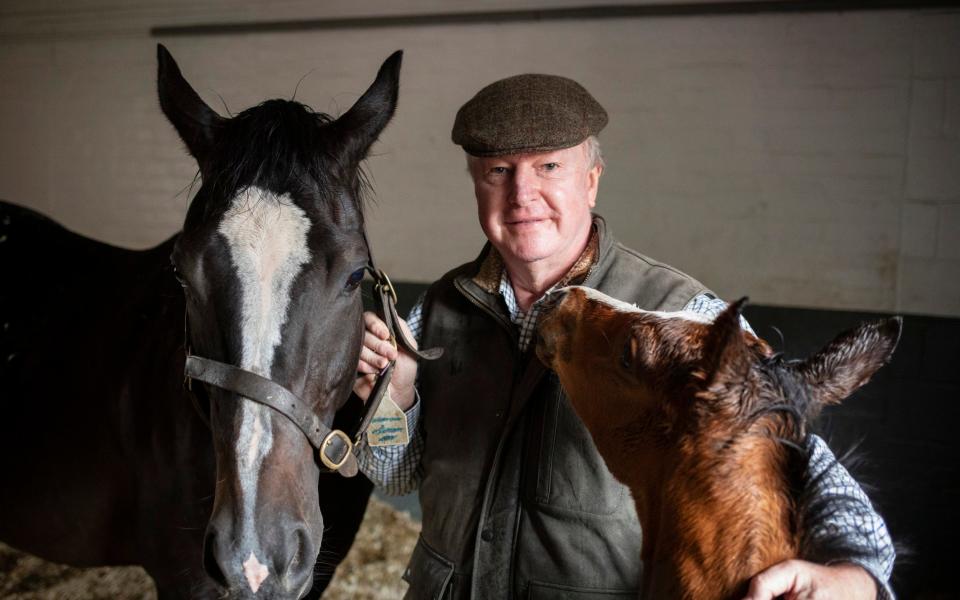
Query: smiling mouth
[[524, 221]]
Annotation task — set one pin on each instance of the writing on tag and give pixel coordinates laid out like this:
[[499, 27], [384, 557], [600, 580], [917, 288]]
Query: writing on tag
[[389, 425]]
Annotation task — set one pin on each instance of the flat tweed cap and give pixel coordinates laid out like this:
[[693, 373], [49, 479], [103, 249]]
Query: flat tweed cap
[[527, 113]]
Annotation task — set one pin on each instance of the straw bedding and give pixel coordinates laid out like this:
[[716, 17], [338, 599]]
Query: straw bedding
[[371, 571]]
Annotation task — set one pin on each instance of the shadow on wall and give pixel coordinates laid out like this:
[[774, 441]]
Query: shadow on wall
[[905, 422]]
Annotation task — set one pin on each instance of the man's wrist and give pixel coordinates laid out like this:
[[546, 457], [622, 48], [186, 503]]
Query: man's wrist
[[404, 399], [881, 589]]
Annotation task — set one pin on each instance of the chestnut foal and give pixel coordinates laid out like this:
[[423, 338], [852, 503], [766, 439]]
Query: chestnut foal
[[706, 426]]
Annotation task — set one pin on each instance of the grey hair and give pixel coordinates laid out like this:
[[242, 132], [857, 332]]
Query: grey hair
[[594, 155]]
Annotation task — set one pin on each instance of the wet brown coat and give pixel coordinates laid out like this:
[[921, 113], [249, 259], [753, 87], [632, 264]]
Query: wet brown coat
[[699, 421]]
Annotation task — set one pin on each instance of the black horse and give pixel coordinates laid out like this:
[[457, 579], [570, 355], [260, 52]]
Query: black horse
[[103, 457]]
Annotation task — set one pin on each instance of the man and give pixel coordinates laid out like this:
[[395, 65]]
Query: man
[[516, 501]]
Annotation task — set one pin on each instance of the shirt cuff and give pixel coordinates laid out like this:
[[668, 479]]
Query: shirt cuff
[[413, 412]]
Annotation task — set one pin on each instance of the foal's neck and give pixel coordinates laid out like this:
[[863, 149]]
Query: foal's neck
[[722, 515]]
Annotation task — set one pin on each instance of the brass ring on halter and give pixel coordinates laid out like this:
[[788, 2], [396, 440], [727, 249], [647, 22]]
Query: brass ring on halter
[[387, 285], [328, 440]]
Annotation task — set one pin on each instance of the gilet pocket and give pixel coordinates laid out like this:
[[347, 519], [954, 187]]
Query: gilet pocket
[[428, 573], [571, 474], [549, 591]]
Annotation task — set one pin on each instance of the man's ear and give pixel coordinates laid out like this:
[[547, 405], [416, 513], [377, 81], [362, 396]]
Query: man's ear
[[593, 183], [849, 360]]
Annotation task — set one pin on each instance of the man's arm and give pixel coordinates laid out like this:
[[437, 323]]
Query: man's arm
[[394, 469], [854, 518], [851, 516]]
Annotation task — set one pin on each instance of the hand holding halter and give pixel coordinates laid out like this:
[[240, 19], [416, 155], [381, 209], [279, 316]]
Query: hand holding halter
[[335, 447]]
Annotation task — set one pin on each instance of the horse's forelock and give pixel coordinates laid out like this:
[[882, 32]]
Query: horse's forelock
[[284, 146]]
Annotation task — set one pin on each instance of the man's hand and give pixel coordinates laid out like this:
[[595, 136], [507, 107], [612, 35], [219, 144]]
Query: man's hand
[[376, 353], [801, 580]]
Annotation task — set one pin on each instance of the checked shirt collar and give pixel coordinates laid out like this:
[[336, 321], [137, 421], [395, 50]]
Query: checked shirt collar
[[494, 278]]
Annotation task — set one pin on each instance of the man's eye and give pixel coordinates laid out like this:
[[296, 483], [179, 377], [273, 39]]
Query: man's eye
[[551, 166], [498, 171]]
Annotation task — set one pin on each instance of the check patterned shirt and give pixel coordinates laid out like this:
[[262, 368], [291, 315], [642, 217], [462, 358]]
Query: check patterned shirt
[[397, 469]]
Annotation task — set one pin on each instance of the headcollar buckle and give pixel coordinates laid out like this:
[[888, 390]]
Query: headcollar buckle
[[328, 442]]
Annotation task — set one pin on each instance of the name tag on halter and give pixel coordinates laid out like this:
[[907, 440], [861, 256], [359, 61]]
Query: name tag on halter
[[389, 425]]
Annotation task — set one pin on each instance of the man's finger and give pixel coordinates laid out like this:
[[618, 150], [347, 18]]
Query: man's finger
[[775, 581], [363, 386], [375, 325], [365, 367], [373, 360], [379, 346]]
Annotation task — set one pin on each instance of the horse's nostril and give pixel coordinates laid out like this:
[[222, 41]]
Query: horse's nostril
[[303, 557], [296, 573], [210, 563]]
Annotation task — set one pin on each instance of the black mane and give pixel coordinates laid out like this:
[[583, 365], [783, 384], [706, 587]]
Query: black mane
[[795, 413]]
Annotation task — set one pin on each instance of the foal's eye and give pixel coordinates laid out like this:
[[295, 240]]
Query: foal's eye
[[355, 278], [628, 353]]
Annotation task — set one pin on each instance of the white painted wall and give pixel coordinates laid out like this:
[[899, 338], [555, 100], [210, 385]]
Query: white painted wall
[[801, 159]]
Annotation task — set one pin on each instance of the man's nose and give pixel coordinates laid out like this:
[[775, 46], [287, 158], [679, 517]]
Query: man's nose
[[525, 186]]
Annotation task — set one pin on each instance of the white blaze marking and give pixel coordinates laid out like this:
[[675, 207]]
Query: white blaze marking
[[621, 306], [254, 572], [267, 239]]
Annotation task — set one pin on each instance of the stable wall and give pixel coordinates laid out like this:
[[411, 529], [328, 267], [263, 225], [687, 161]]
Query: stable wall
[[802, 159]]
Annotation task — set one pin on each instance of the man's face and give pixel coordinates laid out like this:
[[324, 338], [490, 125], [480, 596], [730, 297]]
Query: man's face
[[534, 207]]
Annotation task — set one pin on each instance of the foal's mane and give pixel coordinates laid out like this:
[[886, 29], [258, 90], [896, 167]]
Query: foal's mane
[[793, 417], [278, 145]]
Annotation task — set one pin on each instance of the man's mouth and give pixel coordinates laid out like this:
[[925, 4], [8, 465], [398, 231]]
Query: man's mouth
[[527, 221]]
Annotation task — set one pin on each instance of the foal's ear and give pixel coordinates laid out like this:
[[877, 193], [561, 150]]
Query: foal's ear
[[360, 126], [194, 120], [850, 360], [726, 356]]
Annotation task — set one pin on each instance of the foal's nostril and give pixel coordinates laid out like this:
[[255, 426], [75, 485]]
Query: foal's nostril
[[210, 563]]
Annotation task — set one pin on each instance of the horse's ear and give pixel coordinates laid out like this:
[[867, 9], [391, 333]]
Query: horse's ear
[[726, 356], [196, 122], [360, 126], [850, 360]]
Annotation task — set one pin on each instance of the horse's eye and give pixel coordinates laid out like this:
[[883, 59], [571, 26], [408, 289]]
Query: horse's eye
[[355, 278], [176, 273]]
